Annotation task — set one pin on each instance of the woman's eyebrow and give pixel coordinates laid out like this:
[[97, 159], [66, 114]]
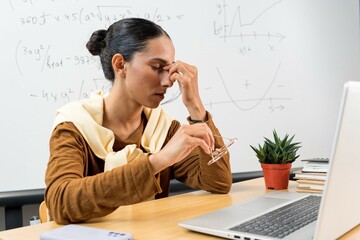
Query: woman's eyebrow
[[162, 61]]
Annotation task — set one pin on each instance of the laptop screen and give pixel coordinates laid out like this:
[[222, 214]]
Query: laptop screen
[[340, 208]]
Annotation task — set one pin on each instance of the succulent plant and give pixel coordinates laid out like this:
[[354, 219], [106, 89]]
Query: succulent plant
[[279, 151]]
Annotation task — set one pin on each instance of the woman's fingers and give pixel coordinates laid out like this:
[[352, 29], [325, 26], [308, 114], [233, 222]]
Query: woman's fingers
[[197, 142], [181, 71], [185, 140], [202, 132]]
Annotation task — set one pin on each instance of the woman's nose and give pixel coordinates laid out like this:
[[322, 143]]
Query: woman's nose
[[165, 79]]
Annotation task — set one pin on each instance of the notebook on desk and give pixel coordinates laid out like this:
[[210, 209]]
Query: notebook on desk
[[329, 216]]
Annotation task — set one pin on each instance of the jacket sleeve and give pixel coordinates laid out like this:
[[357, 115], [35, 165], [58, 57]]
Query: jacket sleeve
[[196, 173], [72, 195]]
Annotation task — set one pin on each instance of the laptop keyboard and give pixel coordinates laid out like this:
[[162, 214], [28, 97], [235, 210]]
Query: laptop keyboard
[[285, 220]]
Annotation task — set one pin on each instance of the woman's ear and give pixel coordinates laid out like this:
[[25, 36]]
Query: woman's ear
[[118, 63]]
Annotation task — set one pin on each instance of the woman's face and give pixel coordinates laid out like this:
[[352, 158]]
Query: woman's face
[[146, 80]]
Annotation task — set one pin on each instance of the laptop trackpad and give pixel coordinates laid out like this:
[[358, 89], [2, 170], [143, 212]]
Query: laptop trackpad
[[226, 217]]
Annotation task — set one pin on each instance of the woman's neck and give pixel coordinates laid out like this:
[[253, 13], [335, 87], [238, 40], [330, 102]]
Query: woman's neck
[[121, 116]]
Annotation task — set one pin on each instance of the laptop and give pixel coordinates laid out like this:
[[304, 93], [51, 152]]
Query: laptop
[[332, 214]]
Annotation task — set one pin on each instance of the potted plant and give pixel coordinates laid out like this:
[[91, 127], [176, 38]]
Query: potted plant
[[276, 158]]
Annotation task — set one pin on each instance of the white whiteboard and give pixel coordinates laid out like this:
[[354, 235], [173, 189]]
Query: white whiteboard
[[263, 65]]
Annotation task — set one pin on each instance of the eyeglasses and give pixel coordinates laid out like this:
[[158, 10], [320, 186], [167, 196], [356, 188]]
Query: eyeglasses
[[220, 152]]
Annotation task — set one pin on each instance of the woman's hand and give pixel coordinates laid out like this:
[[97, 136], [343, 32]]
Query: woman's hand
[[187, 77], [186, 139]]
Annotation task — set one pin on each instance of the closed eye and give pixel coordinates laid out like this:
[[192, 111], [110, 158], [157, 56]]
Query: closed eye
[[157, 68]]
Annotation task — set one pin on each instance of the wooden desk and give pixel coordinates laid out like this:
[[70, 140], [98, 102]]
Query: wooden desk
[[159, 219]]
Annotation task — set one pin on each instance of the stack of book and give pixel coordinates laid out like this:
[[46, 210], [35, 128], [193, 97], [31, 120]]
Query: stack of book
[[311, 178]]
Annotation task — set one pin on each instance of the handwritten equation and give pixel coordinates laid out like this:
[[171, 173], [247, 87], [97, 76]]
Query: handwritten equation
[[42, 58], [69, 94], [105, 14]]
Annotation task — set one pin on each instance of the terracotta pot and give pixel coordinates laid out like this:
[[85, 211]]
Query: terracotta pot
[[276, 175]]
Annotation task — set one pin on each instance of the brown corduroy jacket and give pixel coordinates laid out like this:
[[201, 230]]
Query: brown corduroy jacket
[[78, 189]]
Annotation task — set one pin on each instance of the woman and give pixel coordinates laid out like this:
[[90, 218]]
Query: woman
[[122, 148]]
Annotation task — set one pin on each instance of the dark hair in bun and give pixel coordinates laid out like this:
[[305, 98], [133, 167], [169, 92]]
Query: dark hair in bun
[[96, 42], [127, 37]]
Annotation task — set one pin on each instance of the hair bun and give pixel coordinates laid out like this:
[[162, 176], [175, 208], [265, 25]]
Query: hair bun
[[96, 42]]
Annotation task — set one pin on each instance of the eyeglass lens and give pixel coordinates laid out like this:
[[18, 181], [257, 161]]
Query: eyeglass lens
[[218, 153]]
